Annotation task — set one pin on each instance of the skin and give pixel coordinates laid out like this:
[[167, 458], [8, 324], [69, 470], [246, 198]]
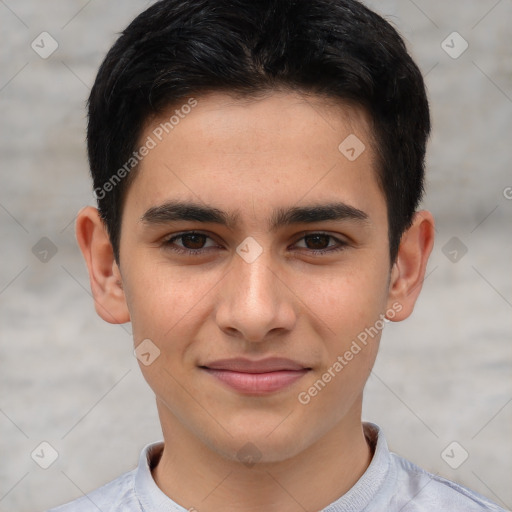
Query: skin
[[251, 157]]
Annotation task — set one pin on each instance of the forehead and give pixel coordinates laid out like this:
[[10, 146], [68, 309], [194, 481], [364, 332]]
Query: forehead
[[290, 115], [277, 149]]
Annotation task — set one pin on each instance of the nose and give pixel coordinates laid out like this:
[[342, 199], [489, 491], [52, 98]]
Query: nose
[[255, 302]]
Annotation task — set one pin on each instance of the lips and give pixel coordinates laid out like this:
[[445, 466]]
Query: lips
[[271, 364], [256, 377]]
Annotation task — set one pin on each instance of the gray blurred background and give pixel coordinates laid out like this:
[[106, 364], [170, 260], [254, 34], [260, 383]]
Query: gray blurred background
[[70, 379]]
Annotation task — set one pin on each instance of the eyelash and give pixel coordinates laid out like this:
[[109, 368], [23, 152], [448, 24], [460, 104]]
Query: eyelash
[[168, 244]]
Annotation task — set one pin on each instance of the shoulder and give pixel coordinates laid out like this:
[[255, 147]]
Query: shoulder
[[426, 491], [118, 495]]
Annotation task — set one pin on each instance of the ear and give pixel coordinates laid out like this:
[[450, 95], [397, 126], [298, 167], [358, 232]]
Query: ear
[[104, 274], [408, 272]]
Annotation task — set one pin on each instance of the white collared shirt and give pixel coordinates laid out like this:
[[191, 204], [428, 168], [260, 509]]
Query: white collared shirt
[[389, 484]]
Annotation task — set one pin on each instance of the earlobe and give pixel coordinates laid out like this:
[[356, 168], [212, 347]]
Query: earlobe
[[408, 272], [104, 274]]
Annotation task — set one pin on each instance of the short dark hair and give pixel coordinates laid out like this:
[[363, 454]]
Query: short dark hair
[[334, 48]]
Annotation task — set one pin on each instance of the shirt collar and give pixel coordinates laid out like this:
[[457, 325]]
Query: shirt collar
[[363, 492], [151, 498]]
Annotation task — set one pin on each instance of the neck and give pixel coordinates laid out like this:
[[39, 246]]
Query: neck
[[196, 477]]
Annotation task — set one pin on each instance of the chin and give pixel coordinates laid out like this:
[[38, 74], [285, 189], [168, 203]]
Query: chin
[[254, 441]]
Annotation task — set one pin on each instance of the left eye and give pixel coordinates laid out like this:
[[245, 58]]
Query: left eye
[[319, 241]]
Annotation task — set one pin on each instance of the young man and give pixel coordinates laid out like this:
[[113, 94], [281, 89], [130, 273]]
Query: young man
[[258, 166]]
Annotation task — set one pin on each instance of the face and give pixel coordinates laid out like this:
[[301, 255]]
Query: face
[[254, 254]]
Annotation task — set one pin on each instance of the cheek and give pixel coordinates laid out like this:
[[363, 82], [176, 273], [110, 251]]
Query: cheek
[[350, 344], [348, 300], [162, 301]]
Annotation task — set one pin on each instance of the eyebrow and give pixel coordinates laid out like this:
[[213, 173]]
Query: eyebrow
[[172, 211]]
